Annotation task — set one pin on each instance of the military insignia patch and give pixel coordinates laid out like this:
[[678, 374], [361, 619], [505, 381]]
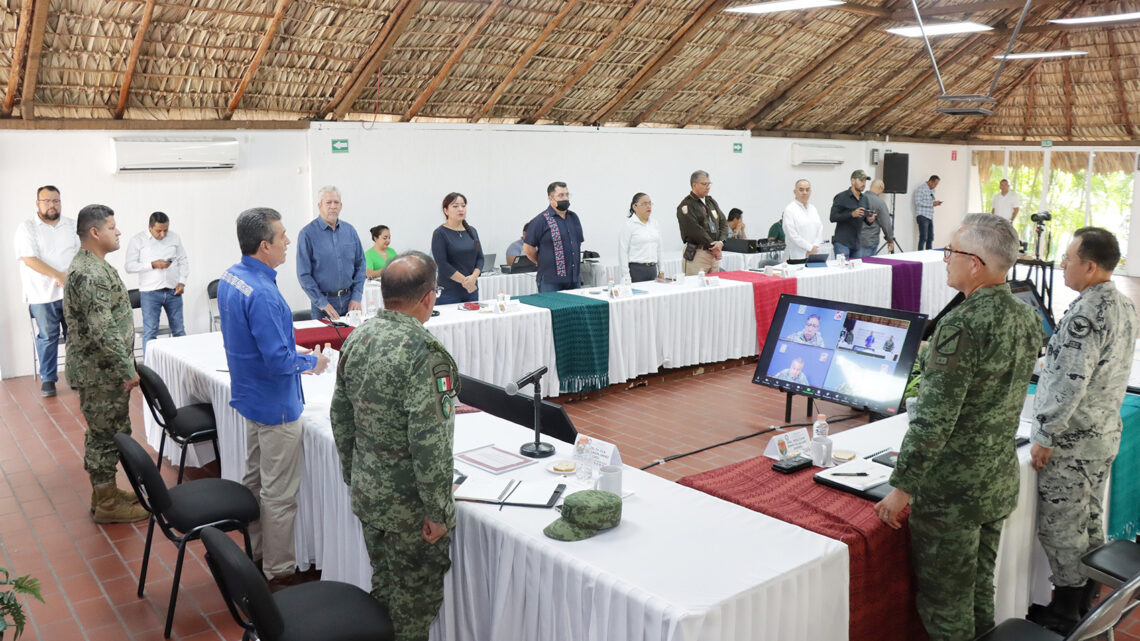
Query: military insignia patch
[[947, 341], [1080, 327], [443, 384], [446, 406]]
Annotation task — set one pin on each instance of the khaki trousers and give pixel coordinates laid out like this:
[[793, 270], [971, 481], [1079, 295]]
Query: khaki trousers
[[703, 260], [273, 474]]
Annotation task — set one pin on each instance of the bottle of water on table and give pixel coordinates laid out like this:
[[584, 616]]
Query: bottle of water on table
[[821, 443]]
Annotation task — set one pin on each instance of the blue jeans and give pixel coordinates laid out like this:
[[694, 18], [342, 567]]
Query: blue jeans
[[925, 232], [858, 252], [152, 304], [554, 287], [49, 319], [467, 297], [339, 303]]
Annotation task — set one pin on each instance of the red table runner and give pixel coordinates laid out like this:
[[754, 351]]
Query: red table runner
[[882, 594], [327, 335], [766, 292]]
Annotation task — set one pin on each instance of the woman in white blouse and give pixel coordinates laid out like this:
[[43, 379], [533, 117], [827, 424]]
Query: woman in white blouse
[[639, 244]]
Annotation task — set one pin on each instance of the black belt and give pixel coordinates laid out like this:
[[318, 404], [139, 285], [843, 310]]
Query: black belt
[[339, 292], [645, 264]]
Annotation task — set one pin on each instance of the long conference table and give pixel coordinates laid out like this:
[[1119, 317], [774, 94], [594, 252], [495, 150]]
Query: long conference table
[[682, 565]]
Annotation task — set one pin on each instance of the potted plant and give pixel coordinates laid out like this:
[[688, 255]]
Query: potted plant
[[11, 610]]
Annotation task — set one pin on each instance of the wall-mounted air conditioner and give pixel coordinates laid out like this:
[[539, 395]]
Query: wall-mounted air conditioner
[[816, 154], [170, 153]]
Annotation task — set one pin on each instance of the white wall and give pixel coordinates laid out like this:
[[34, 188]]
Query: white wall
[[397, 174], [273, 171]]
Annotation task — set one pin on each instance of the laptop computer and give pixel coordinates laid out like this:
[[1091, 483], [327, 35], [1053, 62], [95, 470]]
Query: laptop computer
[[489, 266], [817, 260]]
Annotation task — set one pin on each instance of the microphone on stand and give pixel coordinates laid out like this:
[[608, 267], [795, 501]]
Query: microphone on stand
[[537, 449]]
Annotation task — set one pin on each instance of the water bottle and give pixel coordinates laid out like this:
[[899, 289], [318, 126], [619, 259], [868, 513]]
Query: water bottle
[[821, 443], [611, 288], [583, 464], [501, 302], [701, 278]]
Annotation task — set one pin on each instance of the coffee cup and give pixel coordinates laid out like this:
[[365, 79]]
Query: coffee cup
[[609, 479]]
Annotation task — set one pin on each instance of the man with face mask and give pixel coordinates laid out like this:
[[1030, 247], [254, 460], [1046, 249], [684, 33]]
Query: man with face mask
[[45, 246], [554, 242]]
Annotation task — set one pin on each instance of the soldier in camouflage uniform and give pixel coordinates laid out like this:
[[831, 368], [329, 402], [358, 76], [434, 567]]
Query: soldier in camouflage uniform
[[958, 461], [1076, 423], [100, 359], [393, 422]]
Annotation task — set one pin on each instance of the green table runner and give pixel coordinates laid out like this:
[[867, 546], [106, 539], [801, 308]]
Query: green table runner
[[581, 339]]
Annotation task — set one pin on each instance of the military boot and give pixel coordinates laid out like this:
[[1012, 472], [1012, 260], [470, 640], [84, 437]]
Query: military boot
[[110, 507], [1088, 596], [1062, 614], [125, 495]]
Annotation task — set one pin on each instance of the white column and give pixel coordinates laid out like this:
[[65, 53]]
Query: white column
[[1045, 180], [1133, 252], [1088, 190]]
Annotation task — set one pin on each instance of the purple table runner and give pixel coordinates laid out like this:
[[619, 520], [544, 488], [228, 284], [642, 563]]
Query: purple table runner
[[906, 282]]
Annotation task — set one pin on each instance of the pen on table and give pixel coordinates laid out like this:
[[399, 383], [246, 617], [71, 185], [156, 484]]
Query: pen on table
[[850, 474], [882, 451], [504, 500]]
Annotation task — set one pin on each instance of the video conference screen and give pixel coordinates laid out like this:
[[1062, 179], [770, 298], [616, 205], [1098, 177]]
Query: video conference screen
[[844, 353]]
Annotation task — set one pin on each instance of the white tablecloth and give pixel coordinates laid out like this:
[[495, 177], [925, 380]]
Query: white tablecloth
[[682, 565], [509, 284], [1022, 573], [677, 325], [867, 284]]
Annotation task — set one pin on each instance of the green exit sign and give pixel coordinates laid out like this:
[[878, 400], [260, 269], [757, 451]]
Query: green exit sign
[[1046, 143], [340, 146], [737, 147]]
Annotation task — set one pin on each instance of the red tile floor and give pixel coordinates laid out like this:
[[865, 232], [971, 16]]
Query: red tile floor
[[89, 573]]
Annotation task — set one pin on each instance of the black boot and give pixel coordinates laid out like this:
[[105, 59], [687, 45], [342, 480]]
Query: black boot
[[1062, 615], [1088, 596]]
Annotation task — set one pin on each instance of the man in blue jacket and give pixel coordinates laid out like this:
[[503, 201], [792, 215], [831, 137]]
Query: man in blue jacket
[[265, 381]]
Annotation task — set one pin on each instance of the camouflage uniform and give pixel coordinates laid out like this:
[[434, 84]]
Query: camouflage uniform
[[393, 421], [799, 337], [1077, 413], [958, 460], [100, 357]]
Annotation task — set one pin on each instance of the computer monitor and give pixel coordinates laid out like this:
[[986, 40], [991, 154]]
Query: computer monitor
[[854, 355], [1025, 292]]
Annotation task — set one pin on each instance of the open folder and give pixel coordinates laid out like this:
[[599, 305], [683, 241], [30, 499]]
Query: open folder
[[487, 489], [860, 477]]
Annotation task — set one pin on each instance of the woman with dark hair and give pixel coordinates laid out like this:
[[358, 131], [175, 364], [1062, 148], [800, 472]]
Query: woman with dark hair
[[380, 254], [456, 248], [736, 224], [639, 244]]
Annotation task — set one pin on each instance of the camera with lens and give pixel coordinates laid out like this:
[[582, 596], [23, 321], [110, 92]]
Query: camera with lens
[[1041, 217]]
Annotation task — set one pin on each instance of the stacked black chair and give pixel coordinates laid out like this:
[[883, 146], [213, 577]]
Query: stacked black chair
[[212, 303], [1112, 563], [1099, 621], [183, 511], [326, 610], [185, 425]]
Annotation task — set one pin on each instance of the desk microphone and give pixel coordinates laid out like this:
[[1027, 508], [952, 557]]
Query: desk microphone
[[512, 388]]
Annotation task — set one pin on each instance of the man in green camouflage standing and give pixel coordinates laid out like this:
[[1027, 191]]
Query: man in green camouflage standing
[[958, 464], [393, 422], [100, 359]]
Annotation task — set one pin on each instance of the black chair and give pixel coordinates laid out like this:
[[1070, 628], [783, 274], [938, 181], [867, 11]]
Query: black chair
[[136, 303], [184, 425], [517, 409], [212, 305], [327, 610], [1112, 563], [302, 315], [1099, 621], [183, 511]]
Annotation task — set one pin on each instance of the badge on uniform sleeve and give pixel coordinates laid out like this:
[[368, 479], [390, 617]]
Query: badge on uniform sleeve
[[443, 384], [446, 406], [1080, 327], [684, 209], [947, 344]]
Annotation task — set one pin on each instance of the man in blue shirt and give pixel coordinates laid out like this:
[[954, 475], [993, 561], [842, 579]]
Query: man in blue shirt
[[265, 383], [924, 205], [330, 260], [554, 242]]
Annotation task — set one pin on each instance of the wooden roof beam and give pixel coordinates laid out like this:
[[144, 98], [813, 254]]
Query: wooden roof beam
[[35, 50], [1029, 73], [1028, 111], [676, 87], [18, 58], [1114, 64], [680, 38], [763, 55], [1068, 86], [270, 33], [452, 60], [968, 7], [588, 62], [524, 59], [393, 28], [133, 59], [835, 84]]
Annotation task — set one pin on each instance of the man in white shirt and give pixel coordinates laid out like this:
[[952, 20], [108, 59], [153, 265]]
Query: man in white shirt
[[159, 259], [1006, 203], [803, 230], [45, 246]]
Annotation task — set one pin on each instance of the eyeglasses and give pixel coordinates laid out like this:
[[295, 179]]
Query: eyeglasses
[[947, 252], [50, 201], [438, 292]]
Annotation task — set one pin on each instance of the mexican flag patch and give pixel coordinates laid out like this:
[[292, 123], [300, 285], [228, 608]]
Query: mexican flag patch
[[443, 384]]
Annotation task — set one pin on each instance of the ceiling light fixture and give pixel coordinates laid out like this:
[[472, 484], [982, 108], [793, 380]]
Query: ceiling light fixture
[[783, 5], [1119, 17], [941, 29], [1041, 54]]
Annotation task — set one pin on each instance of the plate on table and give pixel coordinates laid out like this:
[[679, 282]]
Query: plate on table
[[555, 467]]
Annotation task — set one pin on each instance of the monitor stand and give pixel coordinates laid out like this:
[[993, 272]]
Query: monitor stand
[[788, 407]]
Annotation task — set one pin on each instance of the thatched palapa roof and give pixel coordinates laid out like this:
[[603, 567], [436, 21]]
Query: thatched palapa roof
[[672, 63]]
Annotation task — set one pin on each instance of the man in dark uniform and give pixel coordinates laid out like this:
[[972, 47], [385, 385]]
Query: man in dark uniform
[[958, 460], [396, 446], [100, 359], [703, 226]]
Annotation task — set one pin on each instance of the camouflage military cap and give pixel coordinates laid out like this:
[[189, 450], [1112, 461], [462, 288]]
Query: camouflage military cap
[[584, 513]]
